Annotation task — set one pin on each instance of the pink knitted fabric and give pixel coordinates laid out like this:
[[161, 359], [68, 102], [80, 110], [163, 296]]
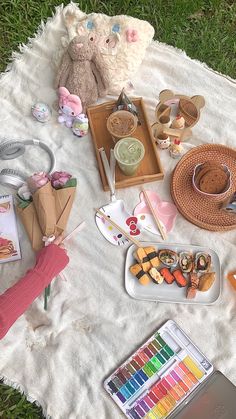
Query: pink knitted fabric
[[50, 261]]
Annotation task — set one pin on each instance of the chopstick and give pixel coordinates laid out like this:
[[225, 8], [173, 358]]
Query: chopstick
[[76, 230], [136, 242], [157, 221]]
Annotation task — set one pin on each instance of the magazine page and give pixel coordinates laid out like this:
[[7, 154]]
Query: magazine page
[[9, 241]]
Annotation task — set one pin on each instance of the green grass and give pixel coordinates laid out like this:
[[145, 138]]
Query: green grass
[[204, 29], [15, 406]]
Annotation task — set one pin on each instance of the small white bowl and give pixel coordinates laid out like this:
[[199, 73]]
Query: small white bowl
[[216, 197]]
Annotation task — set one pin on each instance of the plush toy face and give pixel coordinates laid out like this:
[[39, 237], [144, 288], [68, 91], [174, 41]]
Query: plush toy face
[[70, 105], [122, 41], [81, 48], [67, 110]]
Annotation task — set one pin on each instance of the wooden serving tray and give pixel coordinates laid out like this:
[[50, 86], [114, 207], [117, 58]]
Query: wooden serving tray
[[150, 168]]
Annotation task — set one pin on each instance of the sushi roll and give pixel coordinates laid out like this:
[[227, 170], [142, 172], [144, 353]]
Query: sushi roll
[[142, 258], [168, 257], [167, 275], [202, 262], [186, 262], [137, 271], [152, 256], [206, 281], [194, 283], [180, 279], [156, 276]]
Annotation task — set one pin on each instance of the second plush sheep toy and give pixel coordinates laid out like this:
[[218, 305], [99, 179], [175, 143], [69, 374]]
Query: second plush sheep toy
[[82, 71]]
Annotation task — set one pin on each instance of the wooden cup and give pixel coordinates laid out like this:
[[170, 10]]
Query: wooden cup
[[165, 120]]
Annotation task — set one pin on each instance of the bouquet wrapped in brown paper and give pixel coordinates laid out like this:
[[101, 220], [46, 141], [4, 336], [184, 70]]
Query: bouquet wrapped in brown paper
[[30, 221], [28, 216], [45, 204], [44, 207], [64, 193]]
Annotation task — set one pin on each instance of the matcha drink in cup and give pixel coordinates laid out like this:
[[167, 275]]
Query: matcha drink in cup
[[129, 152]]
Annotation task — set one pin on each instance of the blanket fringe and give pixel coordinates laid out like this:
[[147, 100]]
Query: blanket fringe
[[22, 390], [17, 55]]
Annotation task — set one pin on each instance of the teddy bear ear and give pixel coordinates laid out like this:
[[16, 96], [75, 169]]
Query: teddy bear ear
[[64, 41], [69, 18], [80, 30], [166, 95], [63, 91], [198, 101]]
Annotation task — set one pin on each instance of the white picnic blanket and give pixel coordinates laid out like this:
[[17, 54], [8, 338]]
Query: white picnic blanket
[[61, 357]]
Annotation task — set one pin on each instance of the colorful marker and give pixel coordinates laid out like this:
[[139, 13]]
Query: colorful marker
[[175, 386], [156, 344], [160, 340], [184, 377], [192, 366], [179, 381], [188, 373], [170, 389], [152, 348]]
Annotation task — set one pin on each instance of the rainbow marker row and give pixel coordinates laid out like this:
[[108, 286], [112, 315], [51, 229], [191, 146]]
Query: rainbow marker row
[[130, 378], [162, 397]]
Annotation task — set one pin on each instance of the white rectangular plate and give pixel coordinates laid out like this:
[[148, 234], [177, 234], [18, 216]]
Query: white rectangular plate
[[172, 293]]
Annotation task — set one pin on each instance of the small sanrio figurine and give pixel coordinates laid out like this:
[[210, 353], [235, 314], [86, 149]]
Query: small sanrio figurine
[[70, 107], [163, 141], [176, 149], [80, 125], [41, 111]]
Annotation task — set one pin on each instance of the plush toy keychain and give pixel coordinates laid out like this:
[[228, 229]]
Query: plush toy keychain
[[41, 112], [80, 125]]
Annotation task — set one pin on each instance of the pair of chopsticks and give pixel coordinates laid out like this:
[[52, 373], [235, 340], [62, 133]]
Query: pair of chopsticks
[[132, 239], [156, 219]]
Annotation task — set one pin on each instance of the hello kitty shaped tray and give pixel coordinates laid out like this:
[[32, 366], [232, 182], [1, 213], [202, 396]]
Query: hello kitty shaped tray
[[171, 293], [150, 168]]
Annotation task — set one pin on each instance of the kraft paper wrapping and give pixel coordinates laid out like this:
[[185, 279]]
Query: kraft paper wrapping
[[30, 222], [44, 202], [47, 214], [64, 199]]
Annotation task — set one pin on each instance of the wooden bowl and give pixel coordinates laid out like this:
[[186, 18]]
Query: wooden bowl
[[188, 111]]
